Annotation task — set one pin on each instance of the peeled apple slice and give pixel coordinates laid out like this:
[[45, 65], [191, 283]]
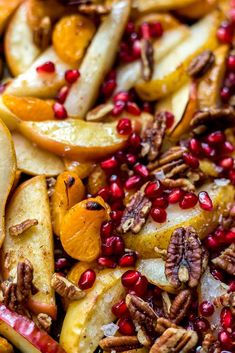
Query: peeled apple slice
[[170, 73], [155, 234], [159, 5]]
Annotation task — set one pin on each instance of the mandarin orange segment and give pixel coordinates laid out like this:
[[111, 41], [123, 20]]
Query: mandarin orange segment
[[29, 108], [82, 169], [71, 37], [69, 190], [80, 229]]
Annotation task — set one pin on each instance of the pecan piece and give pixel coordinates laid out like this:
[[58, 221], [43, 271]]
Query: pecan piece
[[227, 300], [201, 64], [184, 258], [146, 59], [180, 306], [163, 324], [65, 288], [226, 260], [44, 321], [20, 228], [175, 340], [207, 343], [153, 135], [94, 9], [144, 318], [119, 344], [135, 214], [182, 183]]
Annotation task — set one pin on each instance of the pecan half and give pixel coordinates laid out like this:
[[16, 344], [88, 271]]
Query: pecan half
[[201, 64], [226, 260], [182, 183], [163, 324], [144, 318], [44, 321], [119, 344], [180, 306], [175, 340], [135, 214], [184, 258], [147, 62], [227, 300], [152, 137], [65, 288], [207, 342], [166, 303], [94, 9], [20, 228]]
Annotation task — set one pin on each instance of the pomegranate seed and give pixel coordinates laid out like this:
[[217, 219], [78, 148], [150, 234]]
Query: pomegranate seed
[[231, 286], [231, 176], [71, 76], [169, 120], [116, 216], [216, 137], [140, 288], [232, 16], [227, 147], [121, 96], [118, 108], [190, 160], [116, 191], [225, 33], [175, 195], [211, 243], [231, 62], [195, 146], [219, 235], [158, 214], [62, 94], [124, 126], [133, 108], [153, 189], [229, 81], [128, 260], [130, 27], [230, 237], [117, 205], [226, 318], [112, 75], [206, 308], [61, 264], [87, 279], [121, 157], [130, 278], [217, 274], [120, 309], [201, 325], [145, 30], [136, 50], [106, 229], [114, 179], [119, 246], [108, 87], [208, 150], [59, 111], [126, 327], [108, 246], [109, 164], [46, 68], [156, 29], [205, 201], [189, 200], [106, 262], [131, 158], [225, 94], [142, 170], [132, 182], [104, 193], [225, 339], [227, 163], [161, 202], [134, 140]]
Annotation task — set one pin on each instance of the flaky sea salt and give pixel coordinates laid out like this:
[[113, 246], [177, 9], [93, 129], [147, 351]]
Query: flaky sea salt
[[221, 182], [109, 329]]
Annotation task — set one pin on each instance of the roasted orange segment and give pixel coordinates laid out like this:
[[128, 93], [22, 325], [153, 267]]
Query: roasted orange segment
[[69, 190], [71, 37], [80, 229], [29, 108], [5, 346], [78, 269], [82, 169], [96, 180]]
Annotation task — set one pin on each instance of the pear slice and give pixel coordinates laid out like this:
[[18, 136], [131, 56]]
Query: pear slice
[[98, 60], [33, 160], [158, 235], [41, 85], [170, 73], [6, 10], [73, 138], [7, 172], [20, 54], [30, 201], [82, 326], [160, 5]]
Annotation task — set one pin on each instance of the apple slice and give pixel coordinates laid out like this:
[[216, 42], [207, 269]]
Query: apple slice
[[198, 9], [154, 270], [74, 139], [155, 234], [30, 201], [209, 86], [33, 160], [41, 85], [82, 326], [20, 54], [160, 5], [7, 172], [129, 74], [170, 73], [183, 104], [24, 334], [98, 60], [6, 10]]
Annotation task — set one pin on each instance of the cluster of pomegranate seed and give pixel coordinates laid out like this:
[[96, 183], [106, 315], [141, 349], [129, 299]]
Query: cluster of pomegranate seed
[[124, 100], [219, 238]]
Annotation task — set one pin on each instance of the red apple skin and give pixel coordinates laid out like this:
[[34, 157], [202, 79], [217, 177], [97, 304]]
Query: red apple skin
[[26, 328]]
